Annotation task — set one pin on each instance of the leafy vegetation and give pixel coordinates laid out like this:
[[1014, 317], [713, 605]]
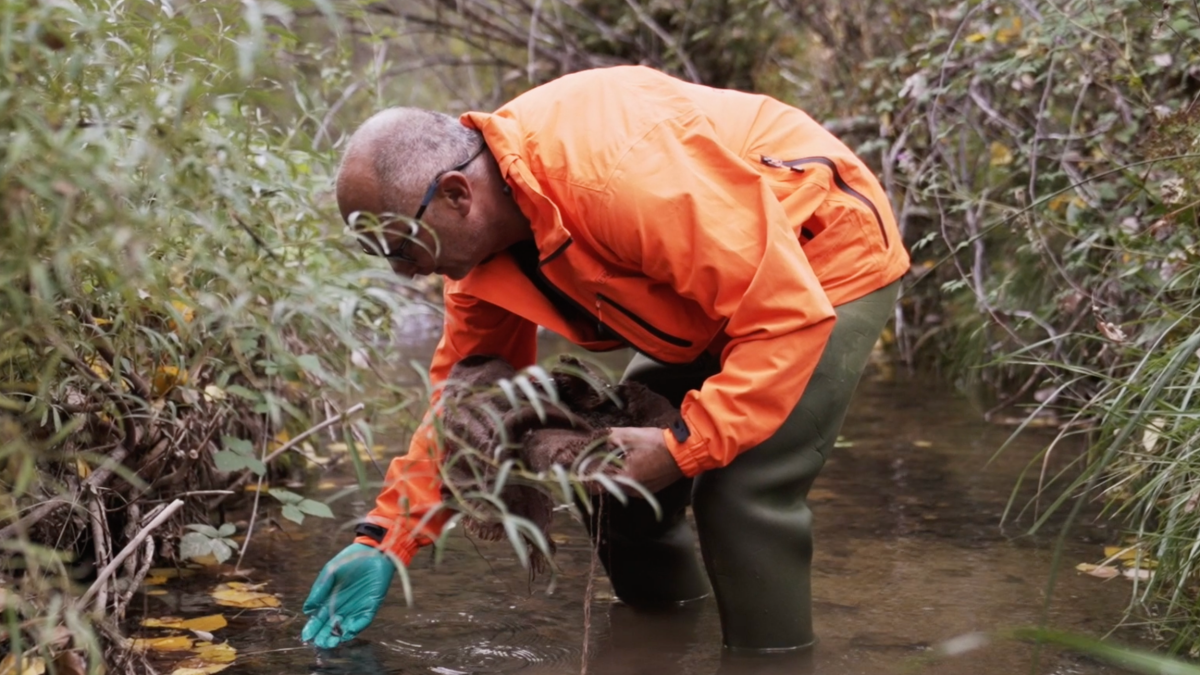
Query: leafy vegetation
[[176, 294], [178, 299]]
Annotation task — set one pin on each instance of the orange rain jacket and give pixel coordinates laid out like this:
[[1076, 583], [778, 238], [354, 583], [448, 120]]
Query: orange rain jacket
[[674, 218]]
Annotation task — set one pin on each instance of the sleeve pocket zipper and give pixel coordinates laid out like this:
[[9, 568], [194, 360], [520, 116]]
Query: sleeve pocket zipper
[[665, 337], [795, 164]]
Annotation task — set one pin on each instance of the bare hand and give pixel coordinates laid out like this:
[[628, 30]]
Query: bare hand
[[647, 459]]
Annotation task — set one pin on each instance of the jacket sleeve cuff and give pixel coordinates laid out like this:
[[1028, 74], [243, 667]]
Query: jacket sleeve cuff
[[405, 550], [689, 455]]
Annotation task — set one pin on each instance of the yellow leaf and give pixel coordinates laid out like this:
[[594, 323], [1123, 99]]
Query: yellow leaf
[[204, 623], [243, 586], [976, 37], [279, 441], [1001, 155], [82, 468], [174, 643], [923, 444], [208, 669], [99, 367], [209, 659], [101, 322], [166, 378], [30, 665], [1011, 33], [185, 310], [156, 591], [326, 485], [1101, 571], [243, 596], [171, 572], [214, 393], [208, 560], [1119, 553], [216, 653], [152, 580]]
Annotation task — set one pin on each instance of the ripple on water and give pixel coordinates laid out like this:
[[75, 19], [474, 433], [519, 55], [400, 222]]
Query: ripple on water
[[463, 644]]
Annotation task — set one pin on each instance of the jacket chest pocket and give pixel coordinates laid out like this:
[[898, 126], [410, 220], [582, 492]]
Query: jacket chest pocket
[[653, 318]]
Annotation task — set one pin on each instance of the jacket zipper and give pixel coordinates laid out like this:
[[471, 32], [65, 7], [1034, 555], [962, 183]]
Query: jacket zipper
[[837, 180], [665, 337]]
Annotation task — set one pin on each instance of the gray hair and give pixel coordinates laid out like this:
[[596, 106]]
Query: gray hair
[[407, 147]]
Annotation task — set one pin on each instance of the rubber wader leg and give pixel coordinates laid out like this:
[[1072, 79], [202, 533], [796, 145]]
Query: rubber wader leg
[[753, 520], [652, 562]]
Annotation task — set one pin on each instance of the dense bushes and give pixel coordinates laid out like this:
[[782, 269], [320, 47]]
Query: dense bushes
[[176, 294]]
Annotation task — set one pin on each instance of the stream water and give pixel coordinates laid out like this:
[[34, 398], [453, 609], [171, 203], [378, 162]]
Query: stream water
[[910, 558]]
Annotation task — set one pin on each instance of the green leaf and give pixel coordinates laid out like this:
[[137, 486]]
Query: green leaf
[[292, 513], [226, 530], [238, 445], [239, 390], [194, 545], [206, 530], [220, 550], [315, 508], [285, 496], [310, 363], [227, 460]]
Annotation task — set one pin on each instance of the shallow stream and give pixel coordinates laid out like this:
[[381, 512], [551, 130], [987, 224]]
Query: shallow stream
[[909, 555]]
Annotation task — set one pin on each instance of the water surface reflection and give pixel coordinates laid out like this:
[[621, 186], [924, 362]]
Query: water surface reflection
[[909, 555]]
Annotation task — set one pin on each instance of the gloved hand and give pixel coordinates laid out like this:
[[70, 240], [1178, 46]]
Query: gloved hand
[[346, 595]]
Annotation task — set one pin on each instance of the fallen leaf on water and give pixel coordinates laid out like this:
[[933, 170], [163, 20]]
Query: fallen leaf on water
[[171, 572], [204, 623], [1101, 571], [245, 586], [174, 643], [210, 658], [30, 665], [245, 596], [923, 444]]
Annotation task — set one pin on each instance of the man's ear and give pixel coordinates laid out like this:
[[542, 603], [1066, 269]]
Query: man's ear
[[456, 188]]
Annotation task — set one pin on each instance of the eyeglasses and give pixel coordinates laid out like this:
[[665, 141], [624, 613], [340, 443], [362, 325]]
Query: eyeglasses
[[401, 252], [433, 184]]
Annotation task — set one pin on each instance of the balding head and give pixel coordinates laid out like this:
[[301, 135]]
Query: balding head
[[394, 155]]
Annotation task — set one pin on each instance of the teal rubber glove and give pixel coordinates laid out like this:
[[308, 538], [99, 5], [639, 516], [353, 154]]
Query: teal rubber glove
[[346, 595]]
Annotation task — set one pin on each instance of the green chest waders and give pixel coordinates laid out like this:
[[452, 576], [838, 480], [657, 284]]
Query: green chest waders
[[753, 520]]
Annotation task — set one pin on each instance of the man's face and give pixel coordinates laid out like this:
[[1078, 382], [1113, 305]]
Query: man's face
[[446, 233]]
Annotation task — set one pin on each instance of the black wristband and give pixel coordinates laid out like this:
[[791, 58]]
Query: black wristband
[[371, 531], [680, 431]]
